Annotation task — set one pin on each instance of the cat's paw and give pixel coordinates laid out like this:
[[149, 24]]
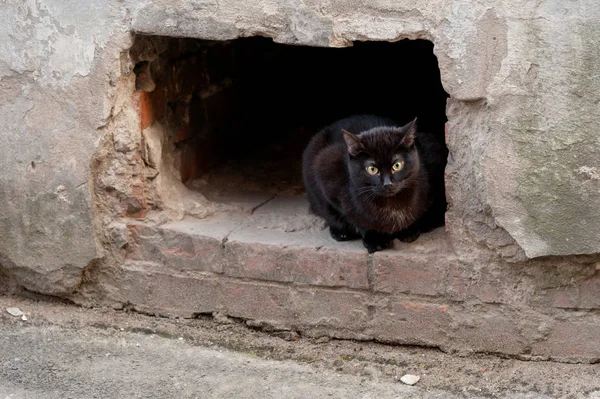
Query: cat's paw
[[342, 234], [408, 237], [373, 246]]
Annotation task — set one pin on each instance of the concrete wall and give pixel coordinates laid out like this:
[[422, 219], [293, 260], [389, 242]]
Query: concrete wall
[[523, 172]]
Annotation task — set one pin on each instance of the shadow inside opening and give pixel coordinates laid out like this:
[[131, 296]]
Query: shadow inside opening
[[240, 113]]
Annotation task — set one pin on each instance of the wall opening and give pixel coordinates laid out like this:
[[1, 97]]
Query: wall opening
[[239, 113]]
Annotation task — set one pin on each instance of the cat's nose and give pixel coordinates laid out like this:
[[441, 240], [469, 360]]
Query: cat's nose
[[386, 181]]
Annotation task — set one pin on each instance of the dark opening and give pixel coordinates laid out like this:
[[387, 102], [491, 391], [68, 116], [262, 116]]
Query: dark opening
[[241, 112]]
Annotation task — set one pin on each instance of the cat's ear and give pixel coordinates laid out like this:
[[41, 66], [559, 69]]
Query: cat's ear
[[410, 130], [353, 143]]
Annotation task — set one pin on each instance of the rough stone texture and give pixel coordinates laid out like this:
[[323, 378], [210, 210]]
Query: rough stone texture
[[91, 192], [415, 294], [58, 63]]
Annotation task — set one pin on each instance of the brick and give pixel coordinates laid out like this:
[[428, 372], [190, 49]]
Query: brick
[[182, 295], [331, 268], [175, 250], [589, 292], [322, 308], [301, 265], [490, 332], [406, 273], [130, 283], [147, 288], [153, 106], [411, 323], [463, 283], [571, 340], [196, 252], [184, 132], [258, 261], [256, 301]]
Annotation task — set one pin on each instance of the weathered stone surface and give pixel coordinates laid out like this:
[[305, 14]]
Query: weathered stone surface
[[411, 323], [419, 268], [54, 95], [298, 257], [522, 178], [569, 340], [326, 310]]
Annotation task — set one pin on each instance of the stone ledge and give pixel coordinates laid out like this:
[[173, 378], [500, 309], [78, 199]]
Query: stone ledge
[[361, 314], [234, 246]]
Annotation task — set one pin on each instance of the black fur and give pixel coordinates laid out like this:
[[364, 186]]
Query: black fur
[[389, 204]]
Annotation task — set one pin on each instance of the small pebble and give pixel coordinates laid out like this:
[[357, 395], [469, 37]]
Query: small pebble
[[410, 379], [24, 318], [15, 312]]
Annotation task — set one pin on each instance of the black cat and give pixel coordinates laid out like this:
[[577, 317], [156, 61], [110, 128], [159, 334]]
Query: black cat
[[371, 179]]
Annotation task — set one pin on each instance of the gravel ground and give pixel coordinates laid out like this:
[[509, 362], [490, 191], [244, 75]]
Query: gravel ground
[[64, 351]]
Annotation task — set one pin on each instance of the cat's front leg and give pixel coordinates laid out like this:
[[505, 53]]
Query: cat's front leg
[[343, 233], [375, 241], [409, 234]]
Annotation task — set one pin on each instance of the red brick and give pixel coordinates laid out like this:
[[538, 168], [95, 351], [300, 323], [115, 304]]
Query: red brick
[[262, 302], [153, 106], [183, 133], [407, 273], [411, 323], [302, 265], [322, 308], [147, 113], [571, 340]]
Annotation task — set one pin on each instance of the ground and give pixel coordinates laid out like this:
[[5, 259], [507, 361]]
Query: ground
[[64, 351]]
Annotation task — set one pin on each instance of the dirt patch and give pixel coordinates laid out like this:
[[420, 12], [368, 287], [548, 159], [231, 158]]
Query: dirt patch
[[479, 375]]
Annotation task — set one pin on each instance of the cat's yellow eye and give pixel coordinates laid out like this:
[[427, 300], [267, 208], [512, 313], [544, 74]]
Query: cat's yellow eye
[[398, 166], [372, 170]]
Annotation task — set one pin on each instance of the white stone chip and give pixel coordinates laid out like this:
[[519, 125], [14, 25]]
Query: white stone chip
[[410, 379], [15, 312], [24, 318]]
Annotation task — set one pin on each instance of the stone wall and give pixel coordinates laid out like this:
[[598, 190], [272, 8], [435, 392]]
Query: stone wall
[[522, 177]]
